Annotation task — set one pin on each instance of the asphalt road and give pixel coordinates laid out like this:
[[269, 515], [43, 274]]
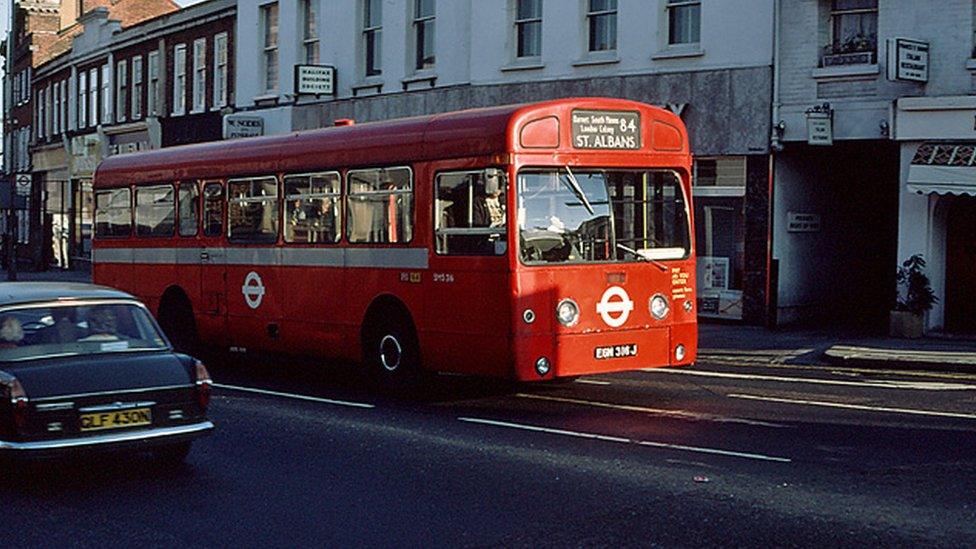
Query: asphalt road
[[711, 455]]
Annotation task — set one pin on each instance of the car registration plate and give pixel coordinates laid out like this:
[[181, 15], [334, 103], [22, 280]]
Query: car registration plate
[[116, 419], [615, 351]]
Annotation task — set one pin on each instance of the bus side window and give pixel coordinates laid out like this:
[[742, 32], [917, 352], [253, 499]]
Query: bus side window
[[380, 205], [113, 213], [188, 205], [252, 209], [312, 204], [213, 209], [469, 213]]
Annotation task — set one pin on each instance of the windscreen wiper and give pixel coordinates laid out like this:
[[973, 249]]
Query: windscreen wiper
[[578, 190], [642, 257]]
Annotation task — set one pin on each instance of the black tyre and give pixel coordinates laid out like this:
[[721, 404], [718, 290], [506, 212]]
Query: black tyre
[[391, 352], [176, 320]]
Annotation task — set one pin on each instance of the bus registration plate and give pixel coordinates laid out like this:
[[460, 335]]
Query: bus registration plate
[[615, 351]]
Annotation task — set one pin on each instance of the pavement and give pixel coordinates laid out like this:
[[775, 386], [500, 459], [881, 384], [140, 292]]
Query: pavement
[[753, 345]]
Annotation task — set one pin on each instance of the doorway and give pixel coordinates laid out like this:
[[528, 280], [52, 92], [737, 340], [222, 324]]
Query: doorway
[[960, 272]]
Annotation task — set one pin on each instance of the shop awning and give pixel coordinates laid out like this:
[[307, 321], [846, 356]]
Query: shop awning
[[943, 168]]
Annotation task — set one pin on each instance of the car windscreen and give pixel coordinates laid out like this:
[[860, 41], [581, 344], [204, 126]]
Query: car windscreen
[[568, 215], [78, 328]]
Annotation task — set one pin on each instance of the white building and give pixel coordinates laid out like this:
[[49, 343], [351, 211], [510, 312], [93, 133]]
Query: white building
[[396, 58], [850, 203]]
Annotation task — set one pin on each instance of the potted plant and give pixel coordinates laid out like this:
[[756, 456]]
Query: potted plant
[[915, 298]]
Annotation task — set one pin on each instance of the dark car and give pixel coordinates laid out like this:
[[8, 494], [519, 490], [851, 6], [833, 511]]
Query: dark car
[[86, 368]]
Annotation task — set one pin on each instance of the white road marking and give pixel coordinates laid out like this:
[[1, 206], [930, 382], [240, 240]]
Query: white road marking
[[594, 436], [866, 371], [679, 414], [879, 384], [294, 396], [592, 382], [855, 406]]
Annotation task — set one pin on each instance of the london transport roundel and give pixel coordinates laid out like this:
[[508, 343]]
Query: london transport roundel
[[253, 290], [615, 306]]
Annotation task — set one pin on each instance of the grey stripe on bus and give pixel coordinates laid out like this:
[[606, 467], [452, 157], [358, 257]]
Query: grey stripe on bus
[[404, 258]]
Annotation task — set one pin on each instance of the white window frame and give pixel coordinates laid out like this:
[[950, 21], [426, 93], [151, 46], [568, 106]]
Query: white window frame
[[590, 18], [49, 107], [310, 32], [269, 43], [121, 82], [420, 22], [520, 24], [674, 6], [136, 106], [65, 109], [41, 114], [82, 99], [220, 71], [107, 93], [179, 80], [372, 32], [153, 91], [199, 75], [93, 96]]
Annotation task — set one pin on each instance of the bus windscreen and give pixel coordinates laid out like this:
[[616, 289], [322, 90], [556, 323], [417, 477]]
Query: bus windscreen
[[585, 216]]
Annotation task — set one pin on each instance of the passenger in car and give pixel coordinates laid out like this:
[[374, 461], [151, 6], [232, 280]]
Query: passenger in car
[[11, 332], [101, 325]]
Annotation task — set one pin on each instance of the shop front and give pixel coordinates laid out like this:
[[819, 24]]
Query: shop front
[[937, 216]]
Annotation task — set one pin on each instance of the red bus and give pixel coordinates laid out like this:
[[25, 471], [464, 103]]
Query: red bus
[[529, 241]]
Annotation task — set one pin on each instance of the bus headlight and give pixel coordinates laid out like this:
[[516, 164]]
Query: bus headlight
[[567, 312], [659, 306]]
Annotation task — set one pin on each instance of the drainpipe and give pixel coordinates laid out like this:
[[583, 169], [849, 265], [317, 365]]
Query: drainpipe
[[775, 146]]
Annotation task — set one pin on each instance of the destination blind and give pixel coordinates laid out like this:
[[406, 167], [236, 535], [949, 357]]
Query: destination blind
[[606, 130]]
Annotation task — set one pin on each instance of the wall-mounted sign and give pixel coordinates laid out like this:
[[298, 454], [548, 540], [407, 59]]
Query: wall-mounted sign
[[797, 222], [123, 143], [315, 79], [606, 130], [907, 60], [820, 125], [242, 125]]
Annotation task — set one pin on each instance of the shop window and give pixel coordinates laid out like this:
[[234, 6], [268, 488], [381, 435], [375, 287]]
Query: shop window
[[189, 204], [113, 213], [312, 203], [252, 210], [470, 213], [213, 209], [155, 211], [719, 191], [380, 205]]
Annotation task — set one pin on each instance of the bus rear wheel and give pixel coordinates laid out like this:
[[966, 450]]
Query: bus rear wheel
[[176, 319], [391, 352]]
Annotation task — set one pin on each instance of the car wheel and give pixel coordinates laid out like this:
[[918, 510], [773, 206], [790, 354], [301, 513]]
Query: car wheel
[[392, 354], [173, 454]]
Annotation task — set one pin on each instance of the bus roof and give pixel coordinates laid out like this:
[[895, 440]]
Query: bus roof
[[467, 133]]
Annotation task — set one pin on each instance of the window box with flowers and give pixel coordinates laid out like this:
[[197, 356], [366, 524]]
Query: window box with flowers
[[856, 50]]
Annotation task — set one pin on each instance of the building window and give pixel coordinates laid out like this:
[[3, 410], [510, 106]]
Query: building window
[[56, 110], [684, 22], [152, 90], [82, 99], [423, 30], [853, 33], [41, 113], [380, 205], [312, 208], [220, 70], [310, 32], [269, 21], [602, 23], [719, 197], [137, 87], [372, 36], [528, 28], [121, 87], [106, 93], [200, 75], [93, 97], [64, 105], [252, 209], [49, 107], [179, 79]]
